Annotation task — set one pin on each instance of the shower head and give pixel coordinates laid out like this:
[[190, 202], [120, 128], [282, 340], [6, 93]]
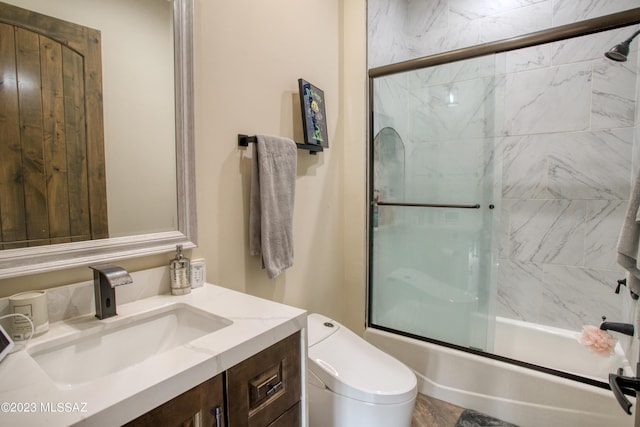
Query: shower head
[[620, 51]]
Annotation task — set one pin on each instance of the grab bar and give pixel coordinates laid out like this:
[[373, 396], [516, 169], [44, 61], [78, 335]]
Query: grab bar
[[428, 205], [621, 385]]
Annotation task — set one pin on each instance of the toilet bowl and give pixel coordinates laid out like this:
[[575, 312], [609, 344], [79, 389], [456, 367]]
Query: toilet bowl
[[351, 383]]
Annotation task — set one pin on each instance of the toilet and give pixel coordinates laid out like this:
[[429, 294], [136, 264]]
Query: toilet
[[351, 383]]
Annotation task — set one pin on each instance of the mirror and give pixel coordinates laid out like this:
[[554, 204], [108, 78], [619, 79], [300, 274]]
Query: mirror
[[144, 145]]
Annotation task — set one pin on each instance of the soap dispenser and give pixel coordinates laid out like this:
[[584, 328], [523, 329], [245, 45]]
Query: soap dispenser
[[179, 272]]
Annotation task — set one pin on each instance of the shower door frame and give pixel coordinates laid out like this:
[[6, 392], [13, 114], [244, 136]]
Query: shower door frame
[[583, 28]]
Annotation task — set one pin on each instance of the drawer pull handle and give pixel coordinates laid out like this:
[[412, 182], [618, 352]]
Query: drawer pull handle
[[217, 412], [265, 385], [273, 388]]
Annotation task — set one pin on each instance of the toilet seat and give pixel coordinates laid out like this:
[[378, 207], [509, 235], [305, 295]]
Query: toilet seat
[[352, 367]]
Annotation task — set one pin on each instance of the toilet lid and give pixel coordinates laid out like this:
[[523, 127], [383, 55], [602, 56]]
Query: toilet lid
[[352, 367], [319, 328]]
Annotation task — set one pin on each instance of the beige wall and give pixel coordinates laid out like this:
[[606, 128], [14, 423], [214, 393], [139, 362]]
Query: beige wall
[[248, 57]]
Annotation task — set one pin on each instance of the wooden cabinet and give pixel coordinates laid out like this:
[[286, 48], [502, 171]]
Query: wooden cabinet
[[265, 387], [262, 391], [290, 418], [203, 405]]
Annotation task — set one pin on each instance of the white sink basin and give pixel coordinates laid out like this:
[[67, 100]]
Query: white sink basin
[[103, 347]]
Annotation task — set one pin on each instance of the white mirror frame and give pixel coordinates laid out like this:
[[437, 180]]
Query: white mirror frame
[[40, 259]]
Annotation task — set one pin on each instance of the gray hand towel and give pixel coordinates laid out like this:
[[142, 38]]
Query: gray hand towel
[[273, 180], [630, 238]]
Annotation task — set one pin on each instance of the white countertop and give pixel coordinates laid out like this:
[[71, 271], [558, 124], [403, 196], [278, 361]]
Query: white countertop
[[28, 397]]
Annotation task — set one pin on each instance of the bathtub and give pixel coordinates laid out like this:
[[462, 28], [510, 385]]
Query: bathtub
[[516, 394]]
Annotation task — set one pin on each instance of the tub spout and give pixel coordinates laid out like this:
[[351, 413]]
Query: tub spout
[[623, 328]]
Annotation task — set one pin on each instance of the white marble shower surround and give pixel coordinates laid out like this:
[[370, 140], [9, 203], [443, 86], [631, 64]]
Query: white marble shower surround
[[563, 117], [399, 30]]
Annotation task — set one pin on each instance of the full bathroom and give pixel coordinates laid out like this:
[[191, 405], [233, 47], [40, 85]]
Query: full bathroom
[[182, 80]]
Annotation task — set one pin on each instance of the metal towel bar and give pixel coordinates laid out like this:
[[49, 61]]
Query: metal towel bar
[[244, 140]]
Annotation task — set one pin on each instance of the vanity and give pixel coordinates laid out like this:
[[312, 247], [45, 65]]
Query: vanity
[[213, 355], [263, 390]]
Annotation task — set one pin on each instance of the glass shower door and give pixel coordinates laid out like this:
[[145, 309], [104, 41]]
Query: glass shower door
[[434, 204]]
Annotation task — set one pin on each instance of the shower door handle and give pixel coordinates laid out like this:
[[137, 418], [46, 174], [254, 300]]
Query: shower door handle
[[425, 205], [618, 383]]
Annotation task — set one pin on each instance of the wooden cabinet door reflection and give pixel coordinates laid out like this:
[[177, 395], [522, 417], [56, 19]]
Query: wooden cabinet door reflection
[[52, 169]]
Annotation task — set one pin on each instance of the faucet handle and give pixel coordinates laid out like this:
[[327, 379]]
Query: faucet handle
[[623, 282]]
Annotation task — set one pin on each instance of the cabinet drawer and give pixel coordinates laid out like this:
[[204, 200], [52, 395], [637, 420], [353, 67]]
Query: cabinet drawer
[[263, 387], [289, 418]]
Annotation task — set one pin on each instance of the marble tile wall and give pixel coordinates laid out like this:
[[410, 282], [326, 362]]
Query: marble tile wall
[[562, 121], [405, 29]]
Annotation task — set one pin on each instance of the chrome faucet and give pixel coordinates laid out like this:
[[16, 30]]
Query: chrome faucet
[[105, 278]]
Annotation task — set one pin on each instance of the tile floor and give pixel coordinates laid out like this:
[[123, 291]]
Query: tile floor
[[430, 412]]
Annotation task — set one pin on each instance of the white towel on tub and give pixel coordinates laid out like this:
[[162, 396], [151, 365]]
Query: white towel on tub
[[629, 239], [273, 181]]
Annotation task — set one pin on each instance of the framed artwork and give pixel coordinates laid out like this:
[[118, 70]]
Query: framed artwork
[[314, 119]]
